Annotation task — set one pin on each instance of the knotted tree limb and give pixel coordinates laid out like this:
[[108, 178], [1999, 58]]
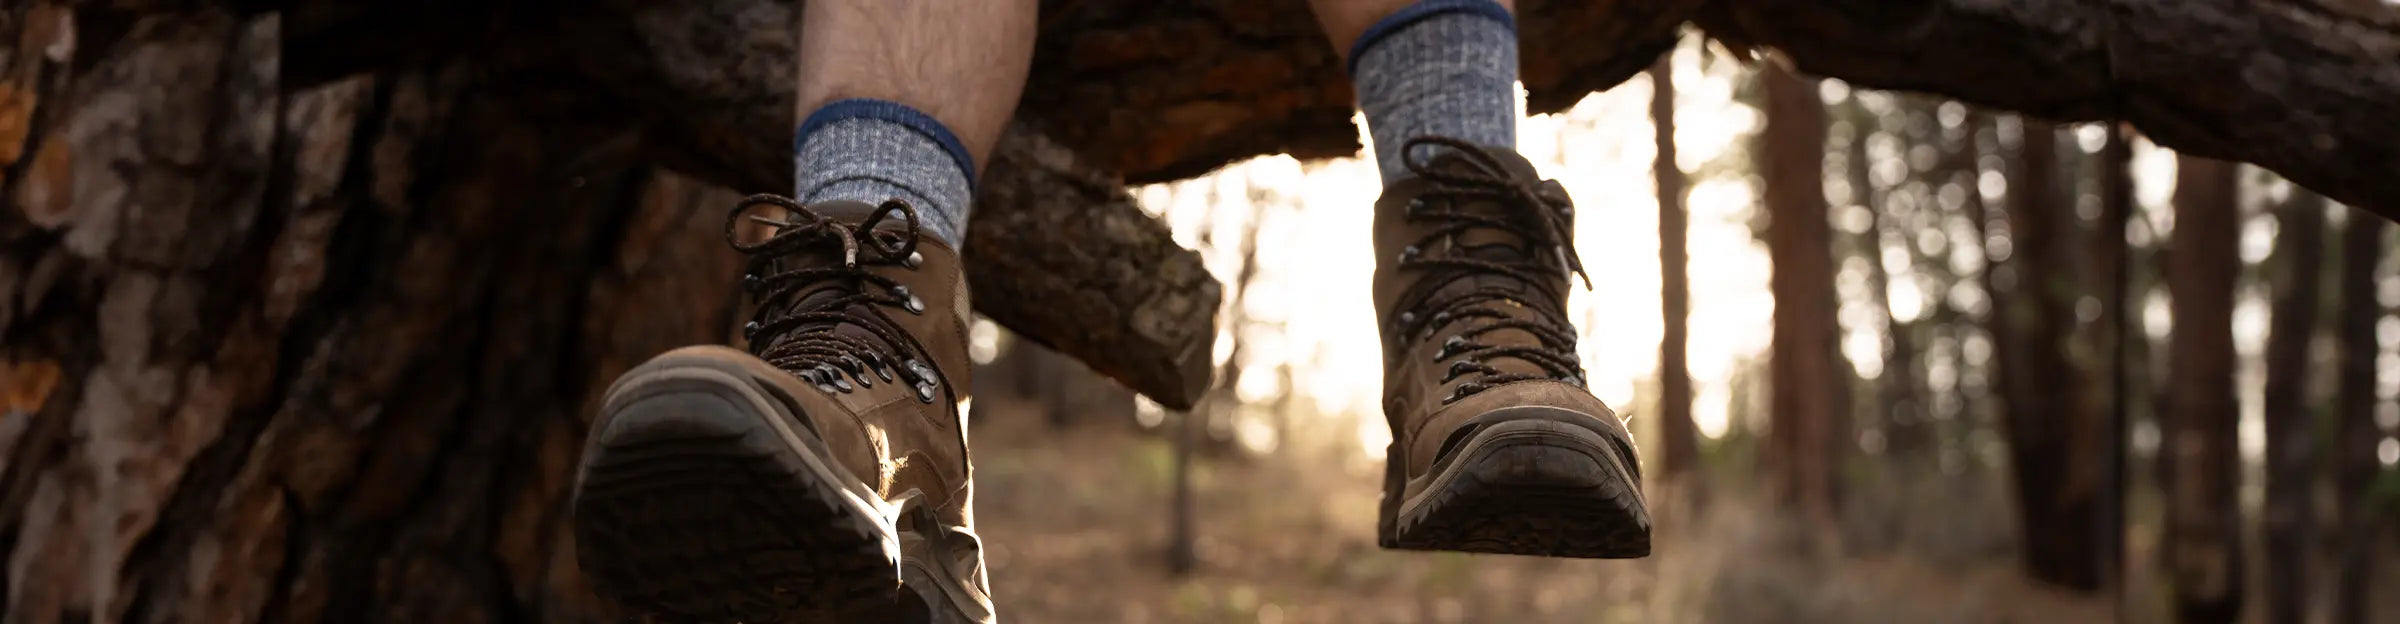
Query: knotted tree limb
[[1117, 263], [2307, 88]]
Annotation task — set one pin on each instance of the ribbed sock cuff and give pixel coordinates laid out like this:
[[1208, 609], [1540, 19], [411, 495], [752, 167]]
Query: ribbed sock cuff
[[895, 112], [872, 150], [1437, 68], [1424, 9]]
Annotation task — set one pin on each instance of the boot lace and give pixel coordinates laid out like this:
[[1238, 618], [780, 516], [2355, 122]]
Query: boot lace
[[802, 308], [1539, 214]]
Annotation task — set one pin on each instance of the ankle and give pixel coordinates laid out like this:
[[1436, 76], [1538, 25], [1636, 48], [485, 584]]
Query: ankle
[[875, 150]]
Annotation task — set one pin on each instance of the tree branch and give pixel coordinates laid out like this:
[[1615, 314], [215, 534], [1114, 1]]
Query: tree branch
[[2300, 87]]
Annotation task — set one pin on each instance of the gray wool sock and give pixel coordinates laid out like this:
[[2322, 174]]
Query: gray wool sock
[[873, 150], [1437, 67]]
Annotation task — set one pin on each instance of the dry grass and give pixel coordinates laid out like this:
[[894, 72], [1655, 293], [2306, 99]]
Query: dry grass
[[1076, 524]]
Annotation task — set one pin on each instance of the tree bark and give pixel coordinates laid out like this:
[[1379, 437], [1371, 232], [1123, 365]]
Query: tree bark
[[1679, 438], [1803, 354], [1107, 284], [345, 329], [2286, 521], [2200, 461], [2363, 241], [2300, 87], [322, 354]]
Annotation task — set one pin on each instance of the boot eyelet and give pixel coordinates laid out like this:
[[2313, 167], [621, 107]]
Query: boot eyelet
[[858, 369], [751, 281], [750, 330], [1463, 390], [1450, 347], [913, 305], [1410, 253], [1416, 206], [914, 260], [925, 391], [843, 384], [876, 363], [1461, 368], [1441, 318], [1408, 318]]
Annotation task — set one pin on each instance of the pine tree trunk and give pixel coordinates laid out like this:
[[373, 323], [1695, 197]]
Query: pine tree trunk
[[1679, 438], [2112, 258], [2055, 432], [2199, 458], [1907, 430], [2286, 522], [2355, 465], [1805, 350]]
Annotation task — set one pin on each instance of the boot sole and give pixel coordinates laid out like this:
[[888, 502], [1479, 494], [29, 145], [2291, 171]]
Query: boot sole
[[1536, 486], [698, 501]]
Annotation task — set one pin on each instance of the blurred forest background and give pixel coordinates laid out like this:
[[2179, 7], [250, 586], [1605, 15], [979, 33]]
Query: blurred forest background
[[1978, 381], [305, 306]]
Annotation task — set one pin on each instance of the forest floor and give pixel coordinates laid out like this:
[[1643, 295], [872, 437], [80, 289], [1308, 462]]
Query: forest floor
[[1076, 525]]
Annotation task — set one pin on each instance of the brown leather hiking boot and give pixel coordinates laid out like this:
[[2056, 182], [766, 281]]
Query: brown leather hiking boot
[[804, 482], [1497, 447]]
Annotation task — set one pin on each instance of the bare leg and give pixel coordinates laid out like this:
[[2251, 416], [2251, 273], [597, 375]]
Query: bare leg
[[961, 61]]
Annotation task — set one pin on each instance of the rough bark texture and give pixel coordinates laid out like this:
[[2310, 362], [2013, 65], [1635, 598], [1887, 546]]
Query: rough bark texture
[[2363, 242], [1110, 286], [2300, 87], [1803, 355], [343, 338], [2199, 458], [2286, 522], [1679, 438], [345, 330], [2054, 430]]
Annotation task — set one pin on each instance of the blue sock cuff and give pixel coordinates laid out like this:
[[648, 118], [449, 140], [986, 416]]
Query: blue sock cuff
[[894, 112], [1418, 12]]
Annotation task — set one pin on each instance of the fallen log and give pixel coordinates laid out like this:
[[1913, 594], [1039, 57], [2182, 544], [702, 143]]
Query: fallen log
[[2305, 88]]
